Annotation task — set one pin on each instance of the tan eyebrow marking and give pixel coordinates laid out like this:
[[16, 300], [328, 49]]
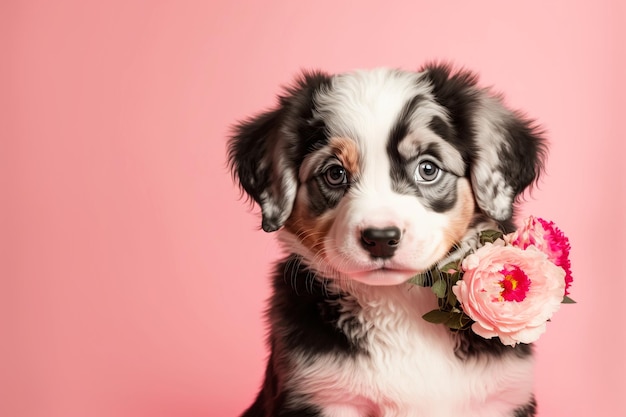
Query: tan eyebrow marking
[[347, 152]]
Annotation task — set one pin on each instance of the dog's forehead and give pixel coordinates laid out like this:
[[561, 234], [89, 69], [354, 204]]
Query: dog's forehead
[[366, 104], [386, 107]]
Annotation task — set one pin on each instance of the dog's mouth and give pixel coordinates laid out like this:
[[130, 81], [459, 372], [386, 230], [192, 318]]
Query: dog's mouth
[[383, 275]]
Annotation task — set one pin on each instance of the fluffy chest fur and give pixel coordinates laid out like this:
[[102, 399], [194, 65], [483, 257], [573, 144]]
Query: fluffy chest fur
[[390, 362]]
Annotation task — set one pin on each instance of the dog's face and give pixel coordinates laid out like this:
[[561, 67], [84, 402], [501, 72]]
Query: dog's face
[[374, 176]]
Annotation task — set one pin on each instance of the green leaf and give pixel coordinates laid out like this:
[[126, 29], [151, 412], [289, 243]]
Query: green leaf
[[439, 288], [419, 279], [437, 316], [444, 276], [449, 266], [567, 300], [453, 320], [490, 236], [451, 299], [457, 321]]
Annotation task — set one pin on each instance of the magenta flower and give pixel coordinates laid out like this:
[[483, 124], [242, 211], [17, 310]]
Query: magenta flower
[[510, 292], [515, 284], [546, 237]]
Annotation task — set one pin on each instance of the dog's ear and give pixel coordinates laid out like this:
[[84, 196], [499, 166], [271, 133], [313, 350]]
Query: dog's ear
[[265, 151], [505, 150]]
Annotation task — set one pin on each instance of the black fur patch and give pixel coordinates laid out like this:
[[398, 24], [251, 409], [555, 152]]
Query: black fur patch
[[399, 132], [439, 197], [458, 94], [522, 158], [310, 133], [305, 314], [321, 196], [250, 147], [318, 202], [276, 400], [470, 345], [441, 128], [303, 317], [288, 129], [529, 410]]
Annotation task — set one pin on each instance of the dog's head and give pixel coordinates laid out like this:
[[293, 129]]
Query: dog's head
[[375, 175]]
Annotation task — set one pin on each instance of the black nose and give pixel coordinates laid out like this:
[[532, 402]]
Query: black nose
[[381, 243]]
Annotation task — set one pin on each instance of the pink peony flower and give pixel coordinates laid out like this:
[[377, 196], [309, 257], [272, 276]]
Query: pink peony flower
[[546, 237], [510, 292]]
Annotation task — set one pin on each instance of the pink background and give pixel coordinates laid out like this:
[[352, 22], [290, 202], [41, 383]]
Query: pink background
[[133, 280]]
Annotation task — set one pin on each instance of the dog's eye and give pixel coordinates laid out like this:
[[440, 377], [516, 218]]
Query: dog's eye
[[336, 176], [427, 171]]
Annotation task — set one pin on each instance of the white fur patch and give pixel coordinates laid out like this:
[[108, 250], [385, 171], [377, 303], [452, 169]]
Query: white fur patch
[[410, 368]]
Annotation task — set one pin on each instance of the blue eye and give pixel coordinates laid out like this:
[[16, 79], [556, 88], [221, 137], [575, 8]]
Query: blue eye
[[336, 176], [427, 171]]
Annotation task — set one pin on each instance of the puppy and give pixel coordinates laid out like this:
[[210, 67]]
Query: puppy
[[370, 178]]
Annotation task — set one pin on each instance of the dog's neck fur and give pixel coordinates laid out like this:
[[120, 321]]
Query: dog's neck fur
[[362, 311], [361, 331]]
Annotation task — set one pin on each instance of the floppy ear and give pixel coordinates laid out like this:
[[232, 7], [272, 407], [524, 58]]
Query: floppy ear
[[264, 151], [507, 150]]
